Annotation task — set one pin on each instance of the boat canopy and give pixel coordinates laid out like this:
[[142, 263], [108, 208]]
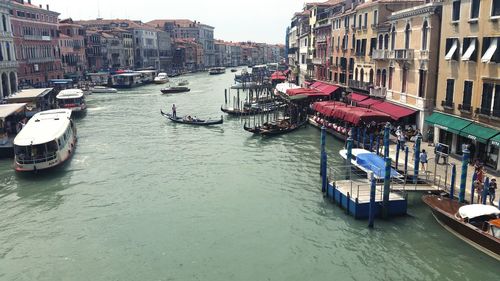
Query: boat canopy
[[44, 127], [30, 94], [368, 102], [8, 109], [374, 163], [357, 97], [70, 94], [283, 87], [477, 210], [326, 107], [324, 87]]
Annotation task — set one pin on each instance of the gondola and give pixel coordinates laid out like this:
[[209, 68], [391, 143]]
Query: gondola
[[278, 130], [251, 110], [175, 89], [197, 121], [254, 130]]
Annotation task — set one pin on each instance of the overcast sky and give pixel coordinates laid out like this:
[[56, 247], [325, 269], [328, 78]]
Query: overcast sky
[[234, 20]]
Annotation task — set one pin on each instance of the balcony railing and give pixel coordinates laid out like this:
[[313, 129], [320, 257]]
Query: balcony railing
[[379, 54], [41, 60], [37, 37], [8, 64], [447, 104], [401, 54], [378, 92], [318, 60], [360, 85], [423, 55]]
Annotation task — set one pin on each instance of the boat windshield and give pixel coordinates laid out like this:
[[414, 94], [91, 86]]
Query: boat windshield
[[70, 102], [31, 154]]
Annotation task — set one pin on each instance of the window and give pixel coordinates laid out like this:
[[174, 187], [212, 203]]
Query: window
[[1, 53], [487, 98], [353, 41], [491, 52], [466, 102], [371, 76], [8, 51], [450, 85], [360, 21], [356, 75], [363, 47], [375, 17], [386, 41], [362, 75], [422, 79], [393, 38], [474, 9], [495, 8], [391, 73], [380, 42], [469, 49], [407, 36], [366, 20], [455, 15], [373, 45], [303, 59], [4, 23], [451, 49], [404, 80], [425, 31], [384, 76]]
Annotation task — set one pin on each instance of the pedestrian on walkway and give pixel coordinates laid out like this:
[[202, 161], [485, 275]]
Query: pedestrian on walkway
[[437, 152], [478, 186], [430, 136], [492, 190], [423, 160]]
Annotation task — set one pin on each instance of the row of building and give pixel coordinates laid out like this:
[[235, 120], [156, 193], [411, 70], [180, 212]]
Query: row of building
[[36, 47], [438, 57]]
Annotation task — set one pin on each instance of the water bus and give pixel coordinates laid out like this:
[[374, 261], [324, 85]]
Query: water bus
[[46, 141], [72, 99], [103, 90], [217, 70]]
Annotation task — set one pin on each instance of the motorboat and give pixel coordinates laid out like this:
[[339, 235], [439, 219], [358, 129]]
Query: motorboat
[[161, 78], [476, 224], [73, 99], [369, 162], [102, 90], [175, 89], [234, 70], [217, 70], [183, 82], [245, 85], [46, 141]]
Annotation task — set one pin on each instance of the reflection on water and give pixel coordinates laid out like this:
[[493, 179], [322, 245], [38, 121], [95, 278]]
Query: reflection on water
[[177, 202]]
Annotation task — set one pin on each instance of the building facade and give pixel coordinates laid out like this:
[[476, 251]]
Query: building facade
[[72, 46], [37, 46], [8, 63]]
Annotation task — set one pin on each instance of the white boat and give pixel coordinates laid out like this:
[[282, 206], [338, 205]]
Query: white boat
[[369, 162], [162, 78], [245, 85], [103, 90], [46, 141], [73, 99], [216, 70], [183, 83]]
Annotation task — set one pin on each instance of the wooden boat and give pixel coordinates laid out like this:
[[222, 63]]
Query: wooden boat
[[234, 69], [175, 89], [252, 110], [192, 121], [272, 129], [476, 224]]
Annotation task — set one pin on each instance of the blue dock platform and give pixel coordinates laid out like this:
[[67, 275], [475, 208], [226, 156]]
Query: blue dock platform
[[354, 197]]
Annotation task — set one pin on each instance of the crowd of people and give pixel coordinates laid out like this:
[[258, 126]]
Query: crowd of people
[[479, 184]]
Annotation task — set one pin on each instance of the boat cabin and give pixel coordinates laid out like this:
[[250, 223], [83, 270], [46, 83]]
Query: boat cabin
[[36, 99], [147, 76], [73, 99], [47, 140], [126, 80], [11, 116]]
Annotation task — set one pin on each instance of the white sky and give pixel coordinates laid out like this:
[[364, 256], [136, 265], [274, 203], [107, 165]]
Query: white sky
[[234, 20]]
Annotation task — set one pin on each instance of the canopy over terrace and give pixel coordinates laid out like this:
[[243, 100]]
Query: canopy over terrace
[[278, 75], [395, 111], [351, 114], [324, 87], [326, 107], [307, 92]]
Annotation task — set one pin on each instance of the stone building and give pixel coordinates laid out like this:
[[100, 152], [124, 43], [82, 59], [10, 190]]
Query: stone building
[[8, 64], [72, 46]]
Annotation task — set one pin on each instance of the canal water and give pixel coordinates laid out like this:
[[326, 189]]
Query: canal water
[[145, 199]]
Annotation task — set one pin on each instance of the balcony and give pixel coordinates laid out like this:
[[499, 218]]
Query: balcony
[[353, 27], [321, 39], [8, 64], [37, 37], [379, 92], [365, 86], [379, 54], [423, 55], [446, 104], [465, 108], [41, 60], [318, 61], [401, 54]]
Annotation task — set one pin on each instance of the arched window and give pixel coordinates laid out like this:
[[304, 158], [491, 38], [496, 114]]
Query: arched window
[[8, 51], [362, 75], [425, 30], [4, 23], [386, 41], [393, 38], [407, 36], [380, 42], [384, 75], [356, 75], [371, 76], [379, 73], [1, 52]]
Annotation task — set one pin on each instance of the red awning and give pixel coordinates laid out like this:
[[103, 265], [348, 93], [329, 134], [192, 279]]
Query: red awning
[[357, 97], [368, 102], [359, 115], [286, 72], [316, 84], [327, 107], [278, 76], [395, 111], [297, 91], [324, 87]]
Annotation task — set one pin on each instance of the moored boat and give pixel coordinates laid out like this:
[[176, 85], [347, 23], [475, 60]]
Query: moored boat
[[161, 78], [175, 89], [252, 109], [234, 70], [216, 70], [73, 99], [369, 162], [476, 224], [281, 128], [46, 141], [102, 90], [192, 120]]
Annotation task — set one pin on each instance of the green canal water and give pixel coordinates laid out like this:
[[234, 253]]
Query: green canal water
[[145, 199]]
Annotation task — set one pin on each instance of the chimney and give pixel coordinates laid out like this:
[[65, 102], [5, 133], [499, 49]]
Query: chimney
[[48, 7]]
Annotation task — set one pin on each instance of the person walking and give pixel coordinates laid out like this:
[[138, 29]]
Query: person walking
[[492, 190], [423, 159], [478, 186], [174, 111]]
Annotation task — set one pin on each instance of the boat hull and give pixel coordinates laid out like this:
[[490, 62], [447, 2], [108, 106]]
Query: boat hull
[[181, 120], [174, 91], [63, 156], [444, 212]]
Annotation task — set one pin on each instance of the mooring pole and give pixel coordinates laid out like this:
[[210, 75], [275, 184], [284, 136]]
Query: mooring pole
[[324, 178], [371, 214], [486, 187], [453, 179], [463, 175], [378, 144], [407, 151], [473, 188], [322, 148], [371, 142], [417, 159], [358, 135], [386, 139], [364, 138], [398, 146], [225, 96], [349, 154], [387, 188]]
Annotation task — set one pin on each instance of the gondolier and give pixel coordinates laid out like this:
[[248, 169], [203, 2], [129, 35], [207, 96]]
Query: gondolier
[[174, 111]]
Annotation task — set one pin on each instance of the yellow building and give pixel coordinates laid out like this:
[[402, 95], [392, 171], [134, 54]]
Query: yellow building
[[468, 88]]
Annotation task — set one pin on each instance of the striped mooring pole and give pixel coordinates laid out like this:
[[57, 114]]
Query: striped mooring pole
[[371, 214], [463, 175]]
